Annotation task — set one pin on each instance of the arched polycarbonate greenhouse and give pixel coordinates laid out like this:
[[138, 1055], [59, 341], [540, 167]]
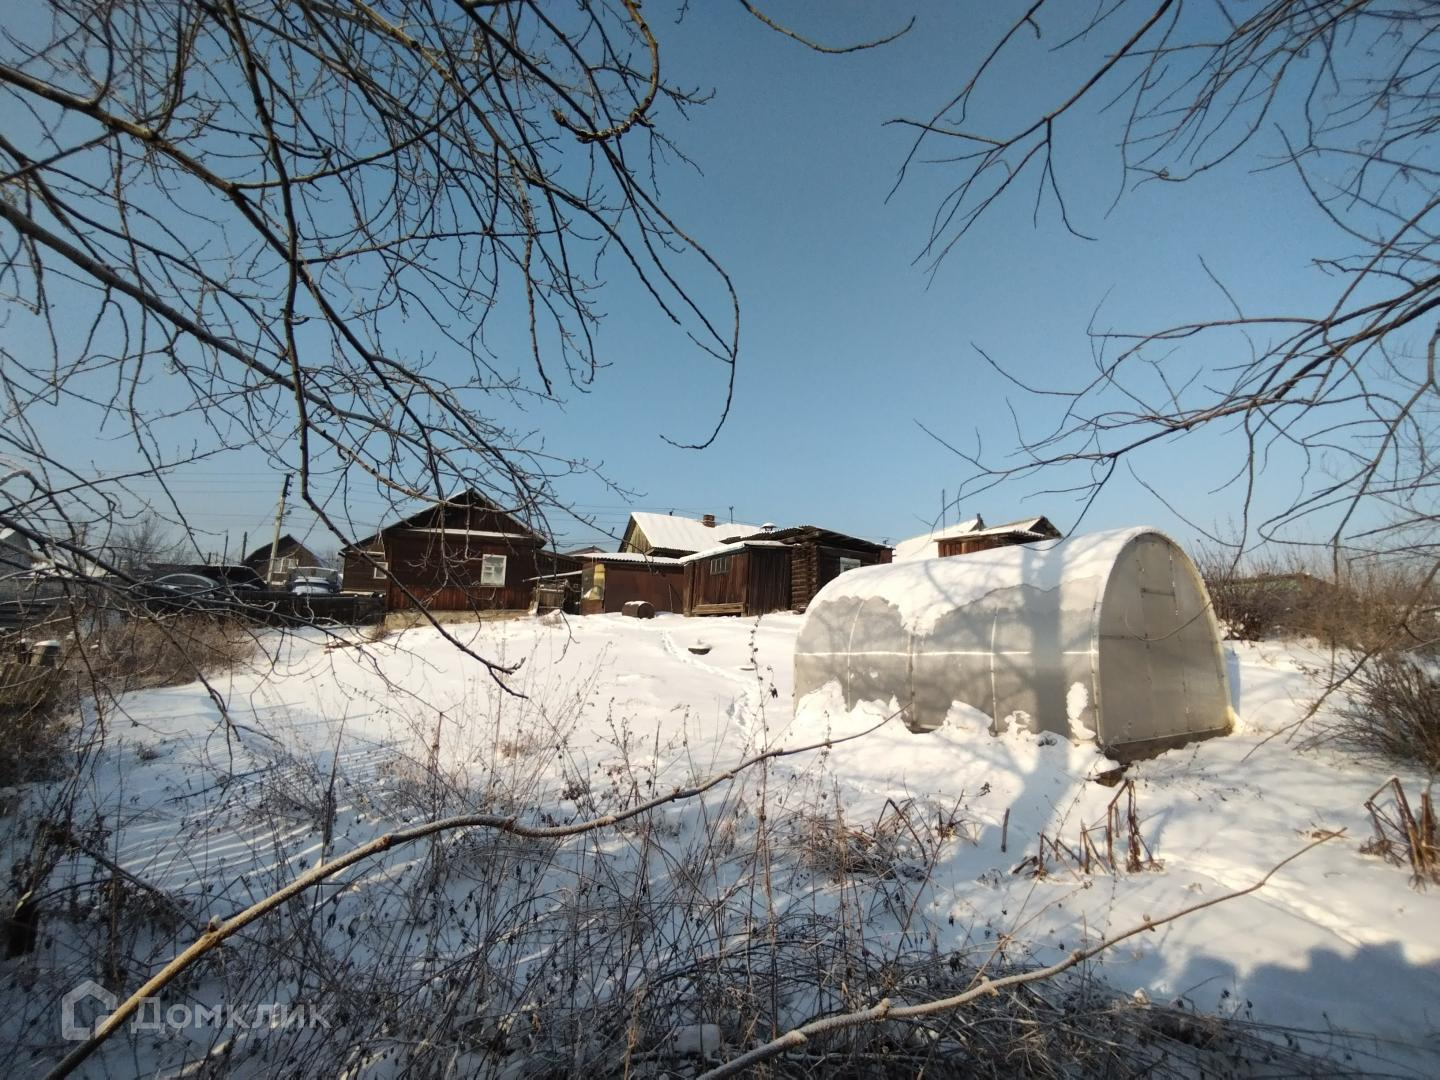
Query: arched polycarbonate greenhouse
[[1108, 637]]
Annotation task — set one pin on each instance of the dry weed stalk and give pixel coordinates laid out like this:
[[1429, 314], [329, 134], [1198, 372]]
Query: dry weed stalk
[[886, 1010], [1401, 836], [905, 836], [1095, 850]]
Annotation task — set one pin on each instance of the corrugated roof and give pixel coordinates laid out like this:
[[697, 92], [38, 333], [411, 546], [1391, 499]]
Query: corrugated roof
[[625, 557], [927, 545], [724, 548], [474, 532], [1026, 527], [794, 531], [686, 534]]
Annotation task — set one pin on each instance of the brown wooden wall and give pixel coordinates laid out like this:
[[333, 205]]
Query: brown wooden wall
[[757, 581], [356, 575], [661, 586], [443, 572], [814, 565], [961, 545]]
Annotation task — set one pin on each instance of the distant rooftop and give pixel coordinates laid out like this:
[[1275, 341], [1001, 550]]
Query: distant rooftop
[[674, 533], [927, 545]]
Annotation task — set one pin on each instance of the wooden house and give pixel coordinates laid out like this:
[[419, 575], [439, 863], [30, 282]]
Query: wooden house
[[818, 556], [670, 536], [290, 555], [609, 580], [746, 577], [461, 554], [1025, 531], [927, 545]]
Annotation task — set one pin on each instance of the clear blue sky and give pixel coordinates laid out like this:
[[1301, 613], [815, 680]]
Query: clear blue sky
[[848, 344]]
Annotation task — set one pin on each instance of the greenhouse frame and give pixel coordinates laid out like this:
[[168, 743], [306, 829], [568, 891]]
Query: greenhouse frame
[[1108, 636]]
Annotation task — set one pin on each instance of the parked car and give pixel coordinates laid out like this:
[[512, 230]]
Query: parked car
[[314, 581], [192, 592]]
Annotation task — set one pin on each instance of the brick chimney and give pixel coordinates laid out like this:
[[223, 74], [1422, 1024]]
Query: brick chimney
[[708, 521]]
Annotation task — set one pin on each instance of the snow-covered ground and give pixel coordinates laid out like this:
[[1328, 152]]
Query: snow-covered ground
[[614, 709]]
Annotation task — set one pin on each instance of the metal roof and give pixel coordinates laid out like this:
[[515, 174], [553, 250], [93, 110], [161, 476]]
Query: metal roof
[[676, 533], [1028, 527], [794, 532], [737, 546], [625, 557]]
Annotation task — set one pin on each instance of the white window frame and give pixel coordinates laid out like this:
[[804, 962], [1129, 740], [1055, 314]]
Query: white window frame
[[381, 570], [488, 571], [720, 564], [847, 563]]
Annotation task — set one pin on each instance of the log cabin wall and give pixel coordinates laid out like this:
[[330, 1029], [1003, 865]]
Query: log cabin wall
[[814, 565], [804, 574]]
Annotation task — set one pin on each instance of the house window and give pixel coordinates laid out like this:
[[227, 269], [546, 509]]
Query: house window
[[720, 565], [492, 570], [380, 569], [848, 564]]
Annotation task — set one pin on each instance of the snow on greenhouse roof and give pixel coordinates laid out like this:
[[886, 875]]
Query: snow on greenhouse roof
[[926, 589]]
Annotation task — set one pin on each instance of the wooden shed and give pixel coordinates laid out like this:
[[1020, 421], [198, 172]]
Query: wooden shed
[[927, 545], [748, 577], [609, 580], [818, 556], [1025, 531], [460, 554]]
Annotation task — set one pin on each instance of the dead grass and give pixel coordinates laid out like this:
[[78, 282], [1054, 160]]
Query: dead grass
[[1392, 711], [102, 654], [142, 654], [905, 840], [409, 620], [1370, 607], [1402, 835], [32, 726]]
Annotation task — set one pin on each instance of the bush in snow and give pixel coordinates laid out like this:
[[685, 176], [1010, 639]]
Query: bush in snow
[[1393, 711]]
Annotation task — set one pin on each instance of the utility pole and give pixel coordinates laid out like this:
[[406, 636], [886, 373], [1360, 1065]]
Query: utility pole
[[275, 543]]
